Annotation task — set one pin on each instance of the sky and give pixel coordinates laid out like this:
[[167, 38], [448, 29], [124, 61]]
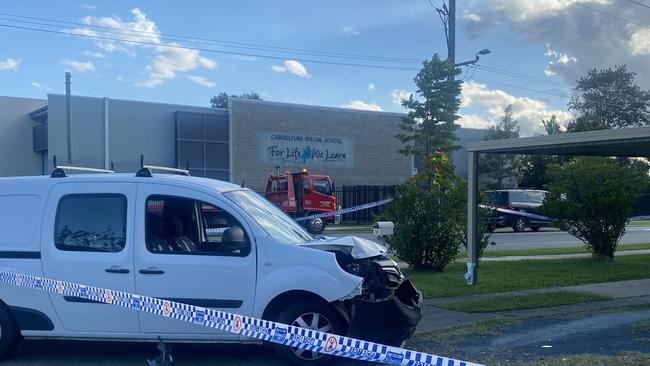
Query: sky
[[353, 54]]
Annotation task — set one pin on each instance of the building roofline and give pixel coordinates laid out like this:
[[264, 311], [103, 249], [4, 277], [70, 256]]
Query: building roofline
[[315, 107], [561, 140], [207, 108]]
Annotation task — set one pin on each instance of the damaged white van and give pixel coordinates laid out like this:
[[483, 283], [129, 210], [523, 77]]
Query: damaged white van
[[192, 240]]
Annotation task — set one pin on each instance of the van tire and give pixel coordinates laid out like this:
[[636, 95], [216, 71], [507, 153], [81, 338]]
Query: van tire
[[292, 313], [9, 335], [519, 225]]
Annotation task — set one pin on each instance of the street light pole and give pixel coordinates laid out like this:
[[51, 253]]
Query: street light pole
[[67, 116]]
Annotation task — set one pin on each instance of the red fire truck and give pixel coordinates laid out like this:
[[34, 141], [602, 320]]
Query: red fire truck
[[301, 194]]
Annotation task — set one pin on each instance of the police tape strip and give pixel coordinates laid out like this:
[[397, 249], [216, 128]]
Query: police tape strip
[[345, 210], [517, 213], [264, 330]]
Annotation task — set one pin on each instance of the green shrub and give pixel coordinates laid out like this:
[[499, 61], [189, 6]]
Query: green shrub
[[595, 197], [430, 216]]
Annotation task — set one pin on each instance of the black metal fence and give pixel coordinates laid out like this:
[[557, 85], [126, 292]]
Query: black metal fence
[[350, 196]]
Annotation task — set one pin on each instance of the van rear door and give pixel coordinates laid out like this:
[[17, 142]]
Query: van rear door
[[87, 238]]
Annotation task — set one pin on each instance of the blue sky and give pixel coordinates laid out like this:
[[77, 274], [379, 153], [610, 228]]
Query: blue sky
[[525, 37]]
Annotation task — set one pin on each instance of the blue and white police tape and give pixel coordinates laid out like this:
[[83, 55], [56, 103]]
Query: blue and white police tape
[[264, 330], [517, 213], [345, 210]]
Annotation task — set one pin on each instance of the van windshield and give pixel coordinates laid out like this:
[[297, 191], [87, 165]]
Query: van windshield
[[275, 222]]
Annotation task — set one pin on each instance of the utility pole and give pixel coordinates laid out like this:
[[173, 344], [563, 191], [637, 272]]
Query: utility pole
[[67, 116], [451, 41]]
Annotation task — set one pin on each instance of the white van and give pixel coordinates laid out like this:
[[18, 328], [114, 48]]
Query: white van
[[193, 240]]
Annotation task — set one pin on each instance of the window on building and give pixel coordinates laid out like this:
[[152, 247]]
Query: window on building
[[177, 225], [91, 223]]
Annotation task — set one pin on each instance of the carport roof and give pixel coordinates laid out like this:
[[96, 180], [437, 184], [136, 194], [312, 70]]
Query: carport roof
[[626, 142]]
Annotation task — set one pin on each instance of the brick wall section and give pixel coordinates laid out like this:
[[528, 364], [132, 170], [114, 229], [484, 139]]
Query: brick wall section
[[376, 157]]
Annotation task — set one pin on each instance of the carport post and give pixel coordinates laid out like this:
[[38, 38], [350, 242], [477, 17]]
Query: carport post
[[472, 225]]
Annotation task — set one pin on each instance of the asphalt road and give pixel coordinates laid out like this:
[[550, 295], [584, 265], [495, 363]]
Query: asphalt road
[[544, 238], [59, 353], [64, 353]]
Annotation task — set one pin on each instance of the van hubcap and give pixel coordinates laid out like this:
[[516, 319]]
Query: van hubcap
[[521, 225], [313, 321]]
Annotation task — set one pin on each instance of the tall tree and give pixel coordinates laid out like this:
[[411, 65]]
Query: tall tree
[[532, 171], [609, 98], [430, 124], [221, 100], [500, 170]]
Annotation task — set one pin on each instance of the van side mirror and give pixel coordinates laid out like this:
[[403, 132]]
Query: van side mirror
[[234, 238]]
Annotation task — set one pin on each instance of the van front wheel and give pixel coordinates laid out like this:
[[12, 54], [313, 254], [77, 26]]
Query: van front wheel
[[310, 315], [8, 333]]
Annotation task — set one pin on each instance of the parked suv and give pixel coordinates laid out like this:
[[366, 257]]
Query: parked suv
[[514, 205], [193, 240]]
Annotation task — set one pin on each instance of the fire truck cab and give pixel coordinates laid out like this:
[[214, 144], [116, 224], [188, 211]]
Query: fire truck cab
[[301, 194]]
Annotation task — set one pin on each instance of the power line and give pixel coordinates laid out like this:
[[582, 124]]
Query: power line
[[520, 87], [638, 3], [609, 15], [199, 40], [259, 47], [208, 49], [522, 76]]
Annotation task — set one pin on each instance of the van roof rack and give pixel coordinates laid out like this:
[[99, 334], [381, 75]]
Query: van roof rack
[[60, 170], [145, 169]]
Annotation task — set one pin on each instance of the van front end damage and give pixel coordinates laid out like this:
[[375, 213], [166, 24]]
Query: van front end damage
[[389, 307]]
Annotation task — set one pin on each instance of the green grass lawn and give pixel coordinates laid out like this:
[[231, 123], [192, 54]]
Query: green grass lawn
[[639, 223], [505, 303], [518, 275], [549, 251]]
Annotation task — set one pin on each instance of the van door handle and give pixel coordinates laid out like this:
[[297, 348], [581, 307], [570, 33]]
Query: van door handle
[[151, 270], [116, 269]]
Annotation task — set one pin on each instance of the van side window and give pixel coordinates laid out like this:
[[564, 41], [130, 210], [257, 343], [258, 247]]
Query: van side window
[[176, 225], [91, 223]]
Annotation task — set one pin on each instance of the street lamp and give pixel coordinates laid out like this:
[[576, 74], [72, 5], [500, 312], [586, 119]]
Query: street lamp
[[480, 53]]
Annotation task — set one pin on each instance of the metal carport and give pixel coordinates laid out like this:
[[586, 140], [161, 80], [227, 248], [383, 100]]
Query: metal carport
[[626, 142]]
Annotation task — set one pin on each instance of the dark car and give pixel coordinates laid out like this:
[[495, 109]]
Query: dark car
[[516, 208]]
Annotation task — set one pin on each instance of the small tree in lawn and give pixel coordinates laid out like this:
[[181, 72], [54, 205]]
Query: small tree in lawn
[[429, 210], [500, 170], [595, 196], [430, 124], [429, 223]]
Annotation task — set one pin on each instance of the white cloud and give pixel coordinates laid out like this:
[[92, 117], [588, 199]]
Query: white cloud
[[472, 17], [79, 65], [577, 39], [208, 63], [12, 64], [169, 58], [36, 85], [94, 54], [358, 104], [398, 94], [202, 81], [527, 111], [291, 66], [349, 30], [371, 86]]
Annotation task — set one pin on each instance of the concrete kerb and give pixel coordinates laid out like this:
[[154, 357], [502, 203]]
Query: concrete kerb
[[622, 294], [613, 290]]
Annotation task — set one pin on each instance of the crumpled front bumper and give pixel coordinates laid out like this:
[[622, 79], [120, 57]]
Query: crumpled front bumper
[[391, 320]]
